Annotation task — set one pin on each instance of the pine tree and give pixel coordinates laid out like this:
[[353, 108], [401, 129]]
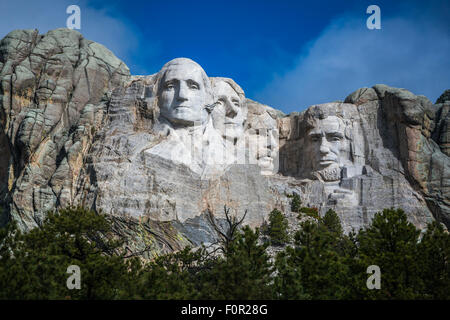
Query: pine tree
[[277, 229], [391, 243], [321, 256], [296, 203], [175, 275], [37, 267], [332, 222], [434, 262], [288, 280], [243, 273]]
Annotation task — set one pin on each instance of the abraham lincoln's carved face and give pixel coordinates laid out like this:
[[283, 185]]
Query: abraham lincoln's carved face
[[325, 144]]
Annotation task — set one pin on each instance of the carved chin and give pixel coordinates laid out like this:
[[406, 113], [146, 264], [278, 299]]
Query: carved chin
[[186, 117], [266, 165], [328, 174], [232, 130]]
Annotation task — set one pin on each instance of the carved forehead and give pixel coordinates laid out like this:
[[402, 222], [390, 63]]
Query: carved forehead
[[183, 69], [262, 121], [182, 66], [183, 72], [180, 63], [223, 88], [330, 124], [220, 83], [342, 113]]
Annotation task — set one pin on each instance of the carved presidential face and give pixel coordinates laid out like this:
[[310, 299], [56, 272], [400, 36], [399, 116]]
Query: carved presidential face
[[182, 94], [326, 141], [263, 147], [229, 114]]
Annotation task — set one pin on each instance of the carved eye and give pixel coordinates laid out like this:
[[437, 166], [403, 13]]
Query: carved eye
[[193, 85], [335, 138], [315, 138], [169, 86], [220, 101], [236, 103]]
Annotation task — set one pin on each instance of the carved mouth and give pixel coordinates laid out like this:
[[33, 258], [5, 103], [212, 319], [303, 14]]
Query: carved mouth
[[266, 158], [327, 162]]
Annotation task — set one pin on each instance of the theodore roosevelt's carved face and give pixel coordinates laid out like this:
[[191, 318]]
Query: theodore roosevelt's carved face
[[229, 114], [182, 93]]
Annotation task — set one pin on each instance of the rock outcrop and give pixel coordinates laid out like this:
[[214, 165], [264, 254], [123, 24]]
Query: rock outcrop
[[77, 128], [53, 96]]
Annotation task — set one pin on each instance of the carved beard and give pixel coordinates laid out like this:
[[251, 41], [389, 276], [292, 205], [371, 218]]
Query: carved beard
[[328, 174]]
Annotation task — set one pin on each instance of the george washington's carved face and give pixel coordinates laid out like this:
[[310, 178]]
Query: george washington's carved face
[[182, 93]]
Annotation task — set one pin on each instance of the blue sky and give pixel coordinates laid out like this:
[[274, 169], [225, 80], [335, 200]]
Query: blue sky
[[288, 54]]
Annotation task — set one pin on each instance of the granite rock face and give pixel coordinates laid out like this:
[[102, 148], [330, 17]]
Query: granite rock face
[[162, 154], [389, 158], [123, 179], [444, 97], [53, 92]]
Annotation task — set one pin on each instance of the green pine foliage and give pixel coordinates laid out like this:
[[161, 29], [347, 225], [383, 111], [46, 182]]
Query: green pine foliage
[[173, 276], [391, 243], [288, 283], [277, 229], [35, 264], [296, 203], [311, 212], [434, 262], [322, 263], [322, 250], [244, 272]]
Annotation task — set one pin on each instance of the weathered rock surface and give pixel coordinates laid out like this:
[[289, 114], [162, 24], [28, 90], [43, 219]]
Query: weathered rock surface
[[444, 97], [76, 128], [396, 164], [123, 179], [53, 92]]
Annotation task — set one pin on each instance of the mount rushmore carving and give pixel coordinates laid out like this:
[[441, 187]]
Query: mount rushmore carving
[[202, 122], [160, 153]]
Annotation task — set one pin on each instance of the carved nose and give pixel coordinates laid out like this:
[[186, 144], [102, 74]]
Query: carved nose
[[324, 148], [182, 93], [272, 139], [231, 110]]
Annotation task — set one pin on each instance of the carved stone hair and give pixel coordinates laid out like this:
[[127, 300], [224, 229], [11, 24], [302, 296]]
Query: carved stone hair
[[232, 84], [318, 112]]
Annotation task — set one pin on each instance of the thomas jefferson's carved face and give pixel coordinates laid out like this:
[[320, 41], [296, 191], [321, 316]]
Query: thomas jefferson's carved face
[[325, 143], [182, 96], [229, 114]]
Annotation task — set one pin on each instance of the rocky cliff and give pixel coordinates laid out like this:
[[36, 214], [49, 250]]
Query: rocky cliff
[[77, 128]]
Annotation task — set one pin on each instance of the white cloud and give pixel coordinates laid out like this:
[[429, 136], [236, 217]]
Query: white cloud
[[407, 52]]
